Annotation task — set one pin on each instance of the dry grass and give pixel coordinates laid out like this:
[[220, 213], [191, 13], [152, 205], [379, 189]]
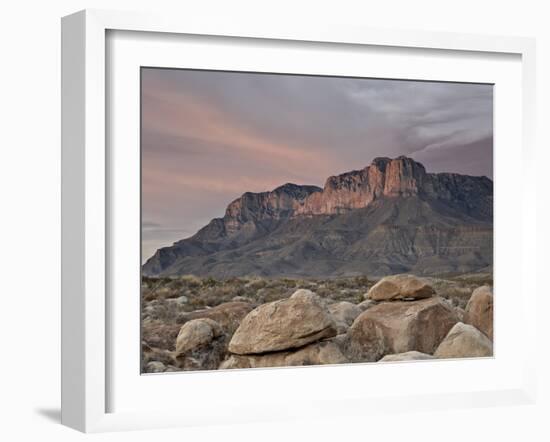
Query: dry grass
[[458, 289], [159, 295]]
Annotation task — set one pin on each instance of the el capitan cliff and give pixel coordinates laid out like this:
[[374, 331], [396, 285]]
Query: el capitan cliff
[[389, 217]]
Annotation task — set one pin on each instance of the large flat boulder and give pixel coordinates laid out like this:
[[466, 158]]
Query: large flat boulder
[[325, 352], [464, 341], [400, 287], [399, 327], [479, 310], [282, 325]]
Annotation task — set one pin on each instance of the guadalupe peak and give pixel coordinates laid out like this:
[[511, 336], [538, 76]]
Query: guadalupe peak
[[401, 176], [355, 214]]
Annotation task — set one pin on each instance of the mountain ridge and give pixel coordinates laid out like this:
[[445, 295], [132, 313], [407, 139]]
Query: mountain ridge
[[379, 219]]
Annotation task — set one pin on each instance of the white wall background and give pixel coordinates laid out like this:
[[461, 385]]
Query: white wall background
[[30, 215]]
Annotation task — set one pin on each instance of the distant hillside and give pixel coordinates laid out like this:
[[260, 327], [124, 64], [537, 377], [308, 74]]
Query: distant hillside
[[390, 217]]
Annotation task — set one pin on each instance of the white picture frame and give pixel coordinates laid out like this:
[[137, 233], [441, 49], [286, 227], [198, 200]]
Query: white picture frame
[[86, 207]]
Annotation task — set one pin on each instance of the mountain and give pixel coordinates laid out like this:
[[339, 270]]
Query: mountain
[[389, 217]]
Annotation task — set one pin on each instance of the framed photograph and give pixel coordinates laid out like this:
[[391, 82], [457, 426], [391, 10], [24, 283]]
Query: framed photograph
[[270, 220]]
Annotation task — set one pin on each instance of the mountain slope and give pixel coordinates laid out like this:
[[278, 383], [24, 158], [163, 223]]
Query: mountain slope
[[389, 217]]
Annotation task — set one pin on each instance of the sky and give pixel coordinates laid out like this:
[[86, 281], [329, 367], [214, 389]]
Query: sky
[[209, 136]]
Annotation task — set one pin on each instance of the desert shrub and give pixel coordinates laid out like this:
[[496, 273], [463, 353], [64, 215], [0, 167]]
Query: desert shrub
[[210, 292], [290, 283], [147, 294], [457, 294], [209, 282], [305, 284], [343, 283], [236, 281], [194, 303], [191, 281], [162, 310], [255, 284], [147, 282], [270, 294], [160, 288], [324, 292], [169, 292], [362, 282], [274, 283], [356, 282], [160, 335], [475, 279], [218, 295]]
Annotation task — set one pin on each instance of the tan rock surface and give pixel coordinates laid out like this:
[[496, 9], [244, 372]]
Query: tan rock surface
[[196, 334], [282, 325], [479, 310], [200, 345], [400, 287], [464, 341], [399, 327], [325, 352]]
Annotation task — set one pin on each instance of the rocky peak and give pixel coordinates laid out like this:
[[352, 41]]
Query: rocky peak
[[380, 163], [401, 176], [408, 209], [273, 205], [383, 178], [295, 190]]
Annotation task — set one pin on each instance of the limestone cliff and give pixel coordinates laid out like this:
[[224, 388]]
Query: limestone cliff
[[388, 217]]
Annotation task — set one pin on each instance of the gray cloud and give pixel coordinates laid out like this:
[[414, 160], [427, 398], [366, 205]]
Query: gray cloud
[[207, 137]]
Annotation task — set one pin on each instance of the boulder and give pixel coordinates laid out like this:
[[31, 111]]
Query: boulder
[[308, 296], [155, 367], [195, 334], [400, 287], [464, 341], [282, 325], [407, 356], [305, 294], [479, 310], [398, 327], [200, 345], [344, 313], [182, 300], [325, 352]]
